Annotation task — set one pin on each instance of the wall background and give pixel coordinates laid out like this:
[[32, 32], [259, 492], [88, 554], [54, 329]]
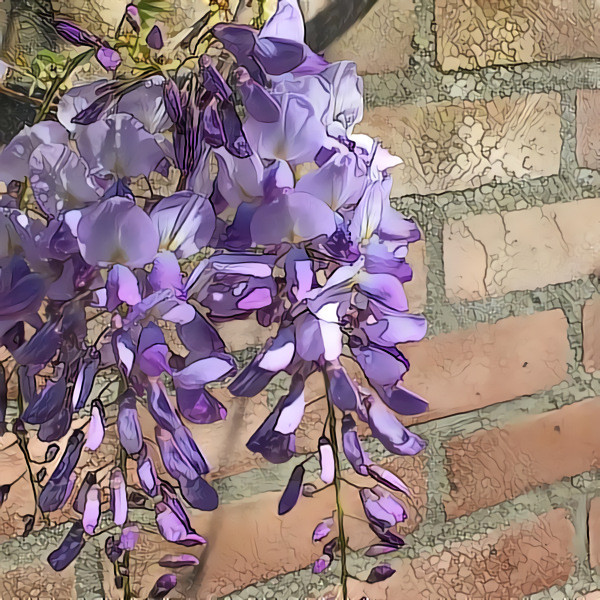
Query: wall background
[[493, 106]]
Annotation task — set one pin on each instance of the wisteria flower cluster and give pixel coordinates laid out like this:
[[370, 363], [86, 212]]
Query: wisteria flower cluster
[[281, 212]]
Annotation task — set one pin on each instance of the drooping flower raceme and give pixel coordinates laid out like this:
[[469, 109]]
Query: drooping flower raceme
[[279, 211]]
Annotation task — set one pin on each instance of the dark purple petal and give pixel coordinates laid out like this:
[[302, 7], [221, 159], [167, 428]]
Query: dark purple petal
[[91, 113], [84, 381], [57, 490], [341, 390], [401, 400], [257, 100], [291, 494], [380, 573], [111, 549], [41, 347], [128, 424], [199, 493], [276, 356], [381, 508], [279, 56], [21, 291], [199, 406], [213, 80], [275, 438], [69, 549], [353, 450], [74, 34], [161, 409], [163, 586], [57, 427], [153, 352], [176, 463], [45, 405], [154, 39], [88, 481], [390, 432], [200, 337], [235, 139], [175, 561], [383, 366]]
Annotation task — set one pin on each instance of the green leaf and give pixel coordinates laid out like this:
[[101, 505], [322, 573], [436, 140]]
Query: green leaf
[[150, 9]]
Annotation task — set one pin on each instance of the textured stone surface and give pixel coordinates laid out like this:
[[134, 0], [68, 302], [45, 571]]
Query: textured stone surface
[[476, 33], [37, 581], [494, 253], [500, 565], [454, 146], [493, 465], [381, 41]]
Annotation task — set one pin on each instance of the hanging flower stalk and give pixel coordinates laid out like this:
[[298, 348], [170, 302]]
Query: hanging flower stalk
[[294, 226]]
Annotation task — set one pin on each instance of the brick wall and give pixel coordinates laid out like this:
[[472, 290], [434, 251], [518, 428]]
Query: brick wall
[[494, 109]]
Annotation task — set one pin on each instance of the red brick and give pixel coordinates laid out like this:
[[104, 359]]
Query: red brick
[[493, 465], [248, 542], [591, 335], [468, 369], [499, 32], [506, 564], [491, 254]]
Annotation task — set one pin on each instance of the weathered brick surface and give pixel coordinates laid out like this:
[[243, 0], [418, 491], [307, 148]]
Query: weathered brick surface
[[591, 335], [455, 146], [594, 532], [468, 369], [588, 128], [475, 34], [248, 542], [496, 464], [505, 564], [381, 41], [37, 581], [491, 254]]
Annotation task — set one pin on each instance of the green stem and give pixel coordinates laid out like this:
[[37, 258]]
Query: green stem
[[342, 540], [71, 65]]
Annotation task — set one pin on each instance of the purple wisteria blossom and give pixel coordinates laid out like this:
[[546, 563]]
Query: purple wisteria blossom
[[275, 210]]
